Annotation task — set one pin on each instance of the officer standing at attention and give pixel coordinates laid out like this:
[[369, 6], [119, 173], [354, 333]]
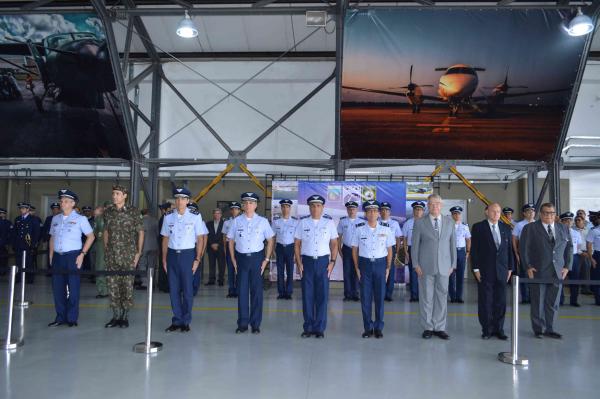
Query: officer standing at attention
[[463, 249], [67, 254], [246, 235], [418, 212], [34, 250], [345, 231], [234, 209], [5, 233], [508, 212], [567, 219], [45, 233], [123, 243], [385, 210], [27, 231], [315, 248], [593, 251], [100, 262], [163, 284], [372, 255], [528, 217], [183, 234], [285, 228], [197, 281]]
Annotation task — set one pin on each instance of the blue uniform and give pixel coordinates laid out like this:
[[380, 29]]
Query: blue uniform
[[315, 236], [524, 288], [26, 235], [182, 231], [593, 237], [396, 232], [284, 231], [407, 229], [249, 235], [5, 235], [232, 284], [345, 229], [373, 245], [66, 234], [457, 278]]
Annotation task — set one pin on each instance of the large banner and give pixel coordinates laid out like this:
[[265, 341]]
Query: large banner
[[57, 89], [336, 194], [435, 83]]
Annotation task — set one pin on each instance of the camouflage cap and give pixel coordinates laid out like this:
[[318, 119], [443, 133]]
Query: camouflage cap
[[121, 188]]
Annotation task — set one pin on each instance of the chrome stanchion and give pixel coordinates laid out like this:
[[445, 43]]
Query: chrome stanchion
[[149, 346], [513, 357], [23, 303], [8, 343]]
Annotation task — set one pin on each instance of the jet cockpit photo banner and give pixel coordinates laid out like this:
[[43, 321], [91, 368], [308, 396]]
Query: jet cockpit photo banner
[[456, 83], [336, 194], [57, 89]]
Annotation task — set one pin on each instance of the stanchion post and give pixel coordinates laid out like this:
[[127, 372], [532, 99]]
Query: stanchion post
[[8, 343], [23, 303], [149, 346], [513, 357]]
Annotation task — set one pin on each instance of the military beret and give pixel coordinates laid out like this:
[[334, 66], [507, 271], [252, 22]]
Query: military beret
[[567, 215], [285, 202], [121, 188], [457, 209], [249, 196], [181, 192], [315, 199], [351, 204], [370, 204], [66, 193], [527, 207]]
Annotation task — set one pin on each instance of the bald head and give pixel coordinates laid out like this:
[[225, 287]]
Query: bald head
[[493, 212]]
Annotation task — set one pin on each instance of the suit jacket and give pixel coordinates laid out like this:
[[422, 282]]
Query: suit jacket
[[431, 253], [492, 263], [537, 251], [215, 237]]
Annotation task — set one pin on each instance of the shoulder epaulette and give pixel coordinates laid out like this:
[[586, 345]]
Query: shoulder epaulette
[[360, 224], [294, 217], [344, 217], [465, 224], [384, 224], [169, 212], [276, 217], [194, 212], [327, 217], [304, 217]]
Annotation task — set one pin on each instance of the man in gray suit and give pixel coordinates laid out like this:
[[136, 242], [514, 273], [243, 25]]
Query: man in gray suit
[[546, 252], [433, 254]]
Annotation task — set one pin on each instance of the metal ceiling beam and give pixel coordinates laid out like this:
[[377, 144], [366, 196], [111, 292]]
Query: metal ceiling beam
[[127, 50], [247, 10], [502, 3], [139, 112], [425, 2], [183, 3], [262, 3], [492, 163], [140, 76], [340, 165], [142, 32], [35, 4]]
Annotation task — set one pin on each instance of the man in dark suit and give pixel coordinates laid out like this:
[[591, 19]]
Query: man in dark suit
[[492, 262], [546, 252], [216, 254]]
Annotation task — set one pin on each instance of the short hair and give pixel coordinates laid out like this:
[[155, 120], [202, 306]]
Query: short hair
[[547, 205], [434, 197], [494, 204], [217, 210]]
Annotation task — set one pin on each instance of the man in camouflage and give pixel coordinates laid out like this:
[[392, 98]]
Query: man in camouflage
[[100, 263], [123, 242]]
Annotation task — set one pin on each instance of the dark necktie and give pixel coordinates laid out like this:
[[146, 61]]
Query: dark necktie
[[551, 235], [436, 226], [496, 237]]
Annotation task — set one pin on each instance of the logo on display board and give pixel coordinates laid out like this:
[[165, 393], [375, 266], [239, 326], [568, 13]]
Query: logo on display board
[[334, 193]]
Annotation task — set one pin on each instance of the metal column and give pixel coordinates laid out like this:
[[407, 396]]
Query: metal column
[[339, 58], [554, 171], [155, 136], [531, 185]]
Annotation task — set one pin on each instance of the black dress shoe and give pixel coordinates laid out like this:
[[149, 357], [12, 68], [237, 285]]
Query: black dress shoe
[[486, 336], [100, 296], [73, 324], [346, 299], [306, 334], [112, 323], [124, 323], [576, 305], [185, 328], [255, 330], [413, 300], [501, 336], [378, 334], [210, 283], [230, 296], [460, 301], [141, 288], [452, 300], [319, 335], [552, 334], [538, 335], [240, 330], [367, 334], [442, 335], [288, 297], [172, 328], [280, 296], [427, 334], [220, 283], [56, 324], [356, 299], [388, 299]]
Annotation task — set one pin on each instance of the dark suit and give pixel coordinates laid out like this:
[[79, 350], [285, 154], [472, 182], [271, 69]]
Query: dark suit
[[26, 235], [493, 264], [548, 257], [163, 280], [218, 256]]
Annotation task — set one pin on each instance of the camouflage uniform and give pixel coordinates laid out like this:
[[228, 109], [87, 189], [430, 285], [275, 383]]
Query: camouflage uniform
[[123, 226], [99, 253]]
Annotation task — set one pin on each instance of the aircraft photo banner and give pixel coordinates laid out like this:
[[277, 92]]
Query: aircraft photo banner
[[443, 83], [57, 89]]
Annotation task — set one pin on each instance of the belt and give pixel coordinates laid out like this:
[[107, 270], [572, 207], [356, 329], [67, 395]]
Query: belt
[[461, 248], [67, 252], [178, 251], [285, 245], [372, 259], [315, 257], [249, 253]]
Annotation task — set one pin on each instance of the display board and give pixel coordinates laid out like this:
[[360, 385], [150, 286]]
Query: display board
[[57, 89], [440, 83]]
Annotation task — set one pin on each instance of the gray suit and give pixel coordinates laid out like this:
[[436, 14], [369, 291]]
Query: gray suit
[[436, 256], [538, 252]]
